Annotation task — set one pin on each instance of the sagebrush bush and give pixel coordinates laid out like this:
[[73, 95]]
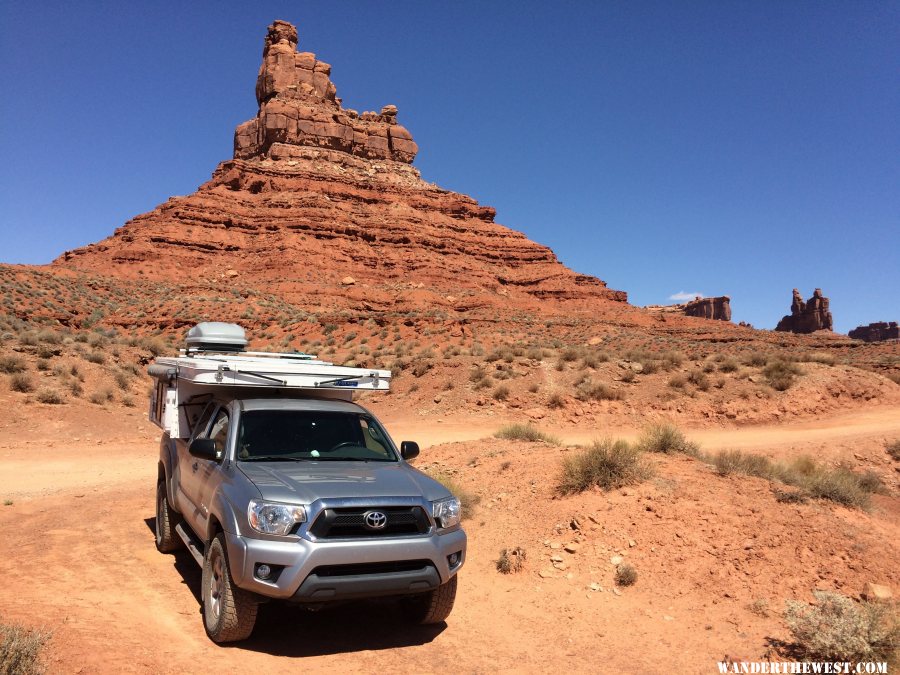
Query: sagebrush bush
[[626, 575], [588, 390], [736, 461], [501, 393], [50, 396], [556, 400], [781, 374], [606, 464], [12, 364], [838, 629], [893, 449], [525, 432], [667, 439], [21, 382], [511, 560], [20, 650]]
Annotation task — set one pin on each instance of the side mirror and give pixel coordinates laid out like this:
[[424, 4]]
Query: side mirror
[[204, 448], [409, 449]]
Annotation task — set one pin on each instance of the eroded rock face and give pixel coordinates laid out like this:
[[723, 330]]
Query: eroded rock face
[[317, 194], [876, 332], [807, 317], [710, 308], [298, 106]]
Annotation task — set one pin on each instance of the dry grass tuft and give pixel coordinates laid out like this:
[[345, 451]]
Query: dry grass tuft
[[511, 560], [20, 650], [525, 432], [607, 464]]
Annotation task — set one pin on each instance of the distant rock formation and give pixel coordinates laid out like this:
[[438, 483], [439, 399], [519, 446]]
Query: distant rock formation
[[298, 106], [703, 308], [710, 308], [876, 332], [807, 317]]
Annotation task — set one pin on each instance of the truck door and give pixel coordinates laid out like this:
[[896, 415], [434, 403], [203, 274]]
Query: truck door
[[208, 473], [186, 497]]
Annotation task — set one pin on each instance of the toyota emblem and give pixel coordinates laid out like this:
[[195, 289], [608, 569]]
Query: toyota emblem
[[375, 520]]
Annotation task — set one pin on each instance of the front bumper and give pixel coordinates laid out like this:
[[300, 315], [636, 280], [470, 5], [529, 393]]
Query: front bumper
[[298, 558]]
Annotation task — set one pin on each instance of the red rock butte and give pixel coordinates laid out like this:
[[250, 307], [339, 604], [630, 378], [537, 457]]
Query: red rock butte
[[322, 205]]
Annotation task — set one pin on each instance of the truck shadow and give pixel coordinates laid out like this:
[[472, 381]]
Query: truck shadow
[[283, 629]]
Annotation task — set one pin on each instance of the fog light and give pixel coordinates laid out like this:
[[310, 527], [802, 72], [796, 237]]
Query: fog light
[[263, 571], [453, 559]]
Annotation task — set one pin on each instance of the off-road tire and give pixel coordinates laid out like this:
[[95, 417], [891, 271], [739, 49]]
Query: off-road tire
[[167, 539], [434, 606], [229, 612]]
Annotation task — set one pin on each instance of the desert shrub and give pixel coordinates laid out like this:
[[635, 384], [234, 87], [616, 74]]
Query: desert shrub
[[760, 607], [42, 365], [667, 439], [699, 379], [122, 381], [47, 351], [21, 382], [525, 432], [511, 560], [102, 396], [467, 500], [728, 365], [607, 464], [420, 366], [534, 388], [51, 396], [626, 575], [12, 364], [20, 650], [128, 401], [96, 357], [597, 391], [838, 485], [76, 388], [893, 449], [154, 345], [677, 381], [671, 360], [707, 367], [757, 360], [781, 374], [894, 377], [735, 461], [501, 393], [836, 628], [569, 354], [791, 497], [556, 400], [820, 357], [628, 375]]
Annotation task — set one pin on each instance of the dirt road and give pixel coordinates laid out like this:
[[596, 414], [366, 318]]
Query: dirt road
[[77, 556]]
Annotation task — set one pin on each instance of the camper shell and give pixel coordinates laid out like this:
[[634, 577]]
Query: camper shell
[[283, 488]]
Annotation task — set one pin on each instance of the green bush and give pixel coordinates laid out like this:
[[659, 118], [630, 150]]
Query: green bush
[[838, 629], [525, 432], [20, 650], [607, 464]]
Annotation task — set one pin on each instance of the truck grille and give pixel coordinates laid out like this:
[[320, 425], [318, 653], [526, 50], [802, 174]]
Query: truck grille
[[346, 522]]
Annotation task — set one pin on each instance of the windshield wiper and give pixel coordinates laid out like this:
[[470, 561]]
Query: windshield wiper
[[273, 458]]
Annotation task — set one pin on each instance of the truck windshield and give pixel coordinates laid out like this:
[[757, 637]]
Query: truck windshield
[[285, 435]]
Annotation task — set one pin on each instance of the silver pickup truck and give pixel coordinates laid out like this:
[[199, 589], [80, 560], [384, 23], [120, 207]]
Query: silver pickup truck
[[305, 500]]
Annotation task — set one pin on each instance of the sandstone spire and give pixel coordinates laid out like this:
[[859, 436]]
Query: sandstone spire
[[298, 106]]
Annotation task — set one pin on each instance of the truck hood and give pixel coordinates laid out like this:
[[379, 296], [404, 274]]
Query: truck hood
[[305, 482]]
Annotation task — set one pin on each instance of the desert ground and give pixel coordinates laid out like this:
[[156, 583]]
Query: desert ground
[[716, 556]]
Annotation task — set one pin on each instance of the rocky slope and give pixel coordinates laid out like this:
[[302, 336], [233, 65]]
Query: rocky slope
[[321, 206]]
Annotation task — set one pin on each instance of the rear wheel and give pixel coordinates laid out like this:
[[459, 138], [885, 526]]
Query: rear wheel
[[434, 606], [229, 612], [167, 539]]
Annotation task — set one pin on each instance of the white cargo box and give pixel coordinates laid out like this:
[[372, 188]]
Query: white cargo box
[[184, 383]]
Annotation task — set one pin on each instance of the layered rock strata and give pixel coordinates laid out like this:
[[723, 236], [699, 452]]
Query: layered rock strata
[[876, 332], [807, 317], [317, 193], [718, 309]]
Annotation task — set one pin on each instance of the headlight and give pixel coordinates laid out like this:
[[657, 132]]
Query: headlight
[[446, 512], [270, 518]]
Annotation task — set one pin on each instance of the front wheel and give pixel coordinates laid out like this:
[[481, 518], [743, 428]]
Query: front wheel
[[434, 606], [229, 612], [167, 539]]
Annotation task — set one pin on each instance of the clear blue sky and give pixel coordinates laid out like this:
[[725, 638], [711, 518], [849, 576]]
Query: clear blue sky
[[740, 148]]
